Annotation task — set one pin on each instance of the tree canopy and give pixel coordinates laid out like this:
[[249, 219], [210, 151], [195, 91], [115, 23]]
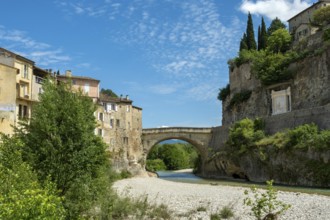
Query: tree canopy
[[275, 25], [322, 16], [109, 92], [279, 41], [251, 42], [60, 144]]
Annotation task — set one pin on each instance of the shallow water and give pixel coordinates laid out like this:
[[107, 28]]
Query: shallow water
[[187, 176]]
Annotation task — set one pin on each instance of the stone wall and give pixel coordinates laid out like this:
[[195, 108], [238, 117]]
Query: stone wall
[[310, 88]]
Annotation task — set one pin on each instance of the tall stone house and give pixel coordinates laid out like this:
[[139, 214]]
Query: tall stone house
[[20, 86], [119, 123], [299, 25]]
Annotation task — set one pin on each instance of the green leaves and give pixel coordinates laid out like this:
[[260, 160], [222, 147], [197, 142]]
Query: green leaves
[[21, 195], [264, 205], [322, 16]]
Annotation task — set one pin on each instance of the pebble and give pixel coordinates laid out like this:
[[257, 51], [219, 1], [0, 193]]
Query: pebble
[[185, 199]]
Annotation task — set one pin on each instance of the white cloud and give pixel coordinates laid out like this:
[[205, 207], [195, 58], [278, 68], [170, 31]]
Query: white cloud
[[185, 41], [42, 53], [283, 9], [165, 89]]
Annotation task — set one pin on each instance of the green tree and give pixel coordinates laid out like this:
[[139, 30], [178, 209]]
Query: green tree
[[265, 205], [279, 41], [275, 25], [60, 144], [322, 16], [251, 42], [109, 93], [243, 44], [243, 135], [21, 195], [262, 35]]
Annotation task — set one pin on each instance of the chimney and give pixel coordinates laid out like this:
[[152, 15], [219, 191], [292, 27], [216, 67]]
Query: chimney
[[127, 97], [68, 73]]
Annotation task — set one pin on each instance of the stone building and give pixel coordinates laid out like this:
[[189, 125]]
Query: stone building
[[299, 25], [119, 123], [20, 85], [89, 86]]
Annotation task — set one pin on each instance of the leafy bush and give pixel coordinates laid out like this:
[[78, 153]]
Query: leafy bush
[[155, 165], [265, 205], [224, 93], [322, 16], [243, 135], [239, 98], [226, 212], [302, 136], [326, 35], [244, 56], [271, 68], [21, 195]]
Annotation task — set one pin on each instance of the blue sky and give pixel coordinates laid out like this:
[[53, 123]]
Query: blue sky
[[169, 56]]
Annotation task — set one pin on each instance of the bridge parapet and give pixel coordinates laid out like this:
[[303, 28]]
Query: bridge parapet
[[177, 129]]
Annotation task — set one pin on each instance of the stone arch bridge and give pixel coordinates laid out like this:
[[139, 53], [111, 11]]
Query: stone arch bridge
[[198, 137]]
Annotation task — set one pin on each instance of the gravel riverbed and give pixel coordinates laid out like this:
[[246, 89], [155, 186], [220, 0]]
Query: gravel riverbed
[[185, 199]]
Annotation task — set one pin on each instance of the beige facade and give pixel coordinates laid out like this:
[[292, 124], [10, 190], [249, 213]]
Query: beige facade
[[120, 125], [26, 87], [299, 25], [7, 98], [87, 85]]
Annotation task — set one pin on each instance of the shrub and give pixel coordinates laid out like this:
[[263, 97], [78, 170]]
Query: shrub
[[155, 165], [21, 195], [224, 93], [239, 98], [226, 212], [302, 136], [265, 205], [326, 35], [243, 135]]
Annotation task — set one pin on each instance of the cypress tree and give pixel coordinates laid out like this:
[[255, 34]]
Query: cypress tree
[[262, 43], [243, 44], [251, 42], [259, 38]]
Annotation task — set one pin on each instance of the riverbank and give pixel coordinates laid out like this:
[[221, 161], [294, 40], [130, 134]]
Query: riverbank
[[187, 201]]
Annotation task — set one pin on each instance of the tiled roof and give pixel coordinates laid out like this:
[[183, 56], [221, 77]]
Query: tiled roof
[[78, 77]]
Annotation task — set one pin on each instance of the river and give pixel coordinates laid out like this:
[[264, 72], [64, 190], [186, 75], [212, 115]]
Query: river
[[186, 176]]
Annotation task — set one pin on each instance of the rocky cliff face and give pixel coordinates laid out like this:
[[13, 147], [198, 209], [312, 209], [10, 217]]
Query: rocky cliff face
[[301, 168], [310, 87], [310, 103]]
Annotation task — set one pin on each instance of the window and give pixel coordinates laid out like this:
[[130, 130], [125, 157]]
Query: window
[[111, 123], [23, 111], [100, 132], [128, 108], [129, 125], [125, 140], [39, 80], [100, 116], [111, 106], [117, 123], [86, 88], [25, 73], [24, 90]]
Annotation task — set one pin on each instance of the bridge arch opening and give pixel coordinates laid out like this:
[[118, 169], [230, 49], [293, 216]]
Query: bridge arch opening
[[173, 153]]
